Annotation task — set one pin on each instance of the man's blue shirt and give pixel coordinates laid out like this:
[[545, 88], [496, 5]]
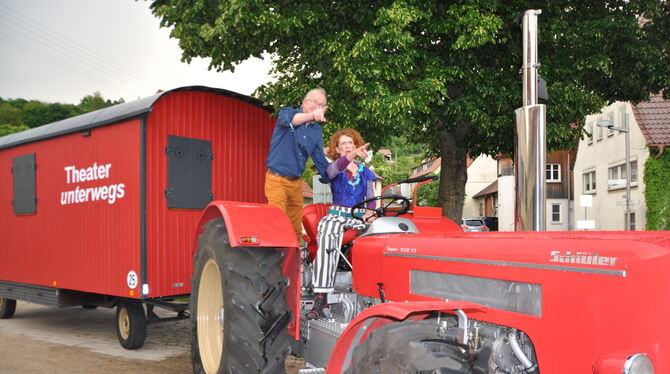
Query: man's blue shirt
[[292, 145]]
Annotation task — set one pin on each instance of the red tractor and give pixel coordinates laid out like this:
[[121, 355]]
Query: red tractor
[[425, 297]]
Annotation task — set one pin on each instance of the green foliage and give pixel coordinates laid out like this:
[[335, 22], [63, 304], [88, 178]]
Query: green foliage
[[7, 129], [10, 114], [95, 101], [657, 191], [24, 114], [406, 155], [445, 74], [428, 194], [36, 113]]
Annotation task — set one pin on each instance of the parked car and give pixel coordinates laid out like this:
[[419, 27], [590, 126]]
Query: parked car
[[473, 225], [491, 223]]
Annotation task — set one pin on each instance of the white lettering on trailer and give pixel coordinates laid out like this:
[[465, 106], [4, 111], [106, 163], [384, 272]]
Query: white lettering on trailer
[[91, 173], [109, 193], [583, 258]]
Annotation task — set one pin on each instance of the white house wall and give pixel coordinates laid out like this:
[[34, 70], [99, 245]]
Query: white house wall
[[506, 198], [481, 173], [608, 210]]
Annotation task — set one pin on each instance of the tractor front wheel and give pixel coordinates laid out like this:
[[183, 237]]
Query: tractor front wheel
[[238, 308], [409, 347], [7, 308]]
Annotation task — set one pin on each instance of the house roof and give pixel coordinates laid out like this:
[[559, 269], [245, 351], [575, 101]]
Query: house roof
[[386, 152], [491, 188], [432, 166], [653, 118]]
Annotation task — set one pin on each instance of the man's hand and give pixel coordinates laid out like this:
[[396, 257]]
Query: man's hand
[[320, 114]]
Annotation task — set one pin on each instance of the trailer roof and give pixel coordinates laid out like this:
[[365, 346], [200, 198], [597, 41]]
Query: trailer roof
[[110, 115]]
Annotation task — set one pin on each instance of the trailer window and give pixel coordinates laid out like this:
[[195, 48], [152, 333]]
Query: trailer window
[[189, 163], [23, 174]]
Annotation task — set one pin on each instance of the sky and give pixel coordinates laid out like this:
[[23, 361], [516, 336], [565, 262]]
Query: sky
[[61, 51]]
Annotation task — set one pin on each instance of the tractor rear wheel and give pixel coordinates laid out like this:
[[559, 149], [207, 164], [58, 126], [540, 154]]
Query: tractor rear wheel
[[7, 308], [409, 347], [238, 309]]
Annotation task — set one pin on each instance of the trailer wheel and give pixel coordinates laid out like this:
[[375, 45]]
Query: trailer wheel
[[409, 347], [7, 308], [131, 325], [238, 310]]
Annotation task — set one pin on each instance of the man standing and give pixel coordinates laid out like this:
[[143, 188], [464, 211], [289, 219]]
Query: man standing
[[297, 136]]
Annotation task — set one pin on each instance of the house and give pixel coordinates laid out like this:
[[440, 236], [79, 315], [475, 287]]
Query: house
[[498, 197], [600, 166]]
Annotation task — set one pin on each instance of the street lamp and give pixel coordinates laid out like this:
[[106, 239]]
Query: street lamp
[[625, 129]]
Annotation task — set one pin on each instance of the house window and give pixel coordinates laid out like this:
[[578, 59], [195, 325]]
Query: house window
[[555, 213], [632, 220], [589, 181], [482, 211], [553, 173], [617, 173], [589, 134]]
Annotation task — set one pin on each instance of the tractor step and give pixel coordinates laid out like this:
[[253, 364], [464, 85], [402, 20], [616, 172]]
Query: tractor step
[[312, 371]]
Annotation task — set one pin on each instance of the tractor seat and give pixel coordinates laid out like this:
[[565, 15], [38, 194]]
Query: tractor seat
[[311, 215]]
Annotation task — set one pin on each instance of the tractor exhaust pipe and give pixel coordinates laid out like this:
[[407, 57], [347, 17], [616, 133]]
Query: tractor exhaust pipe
[[530, 157]]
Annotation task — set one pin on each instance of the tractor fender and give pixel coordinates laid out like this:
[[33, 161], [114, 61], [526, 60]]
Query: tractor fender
[[380, 315], [266, 223], [271, 228]]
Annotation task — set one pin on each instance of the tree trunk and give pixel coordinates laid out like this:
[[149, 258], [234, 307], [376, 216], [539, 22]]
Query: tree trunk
[[453, 173]]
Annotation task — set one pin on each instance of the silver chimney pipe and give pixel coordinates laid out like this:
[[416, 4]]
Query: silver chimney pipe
[[531, 144]]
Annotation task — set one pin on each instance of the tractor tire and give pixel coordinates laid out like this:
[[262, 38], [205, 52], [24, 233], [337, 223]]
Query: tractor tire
[[239, 315], [409, 347], [131, 325], [7, 308]]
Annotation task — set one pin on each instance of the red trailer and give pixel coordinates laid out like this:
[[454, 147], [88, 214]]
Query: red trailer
[[101, 209]]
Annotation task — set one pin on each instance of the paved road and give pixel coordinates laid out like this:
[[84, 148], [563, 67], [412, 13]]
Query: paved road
[[74, 340]]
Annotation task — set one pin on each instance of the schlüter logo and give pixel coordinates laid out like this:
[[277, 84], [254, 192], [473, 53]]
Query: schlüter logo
[[582, 258]]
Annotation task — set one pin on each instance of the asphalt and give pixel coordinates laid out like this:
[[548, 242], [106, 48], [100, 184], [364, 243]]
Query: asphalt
[[95, 331]]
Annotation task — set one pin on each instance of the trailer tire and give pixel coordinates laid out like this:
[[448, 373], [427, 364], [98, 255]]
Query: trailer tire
[[239, 315], [7, 308], [409, 347], [131, 325]]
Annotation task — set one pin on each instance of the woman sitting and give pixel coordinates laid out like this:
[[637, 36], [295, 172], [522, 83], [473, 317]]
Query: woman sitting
[[350, 182]]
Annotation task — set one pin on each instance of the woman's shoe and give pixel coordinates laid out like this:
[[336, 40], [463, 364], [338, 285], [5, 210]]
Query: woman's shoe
[[320, 302]]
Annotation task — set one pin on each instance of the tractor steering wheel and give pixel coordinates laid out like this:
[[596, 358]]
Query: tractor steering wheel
[[383, 210]]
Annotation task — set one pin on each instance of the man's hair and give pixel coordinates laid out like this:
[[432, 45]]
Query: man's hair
[[318, 89], [332, 145]]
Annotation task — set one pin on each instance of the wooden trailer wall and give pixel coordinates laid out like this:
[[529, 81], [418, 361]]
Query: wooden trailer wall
[[117, 200]]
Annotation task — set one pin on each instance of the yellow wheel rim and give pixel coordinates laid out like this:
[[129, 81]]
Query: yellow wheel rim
[[124, 323], [210, 317]]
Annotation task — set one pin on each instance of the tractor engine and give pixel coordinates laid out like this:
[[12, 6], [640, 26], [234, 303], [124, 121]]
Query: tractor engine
[[446, 342]]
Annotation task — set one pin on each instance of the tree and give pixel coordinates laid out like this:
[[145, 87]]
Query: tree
[[6, 129], [36, 113], [444, 73], [9, 114], [95, 101]]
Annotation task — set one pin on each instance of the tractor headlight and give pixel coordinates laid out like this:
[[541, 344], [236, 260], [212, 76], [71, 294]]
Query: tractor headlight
[[638, 363]]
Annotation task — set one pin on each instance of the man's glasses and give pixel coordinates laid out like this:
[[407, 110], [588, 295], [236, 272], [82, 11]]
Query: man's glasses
[[320, 105]]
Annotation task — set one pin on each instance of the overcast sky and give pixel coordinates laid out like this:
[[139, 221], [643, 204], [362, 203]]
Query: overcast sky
[[61, 51]]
